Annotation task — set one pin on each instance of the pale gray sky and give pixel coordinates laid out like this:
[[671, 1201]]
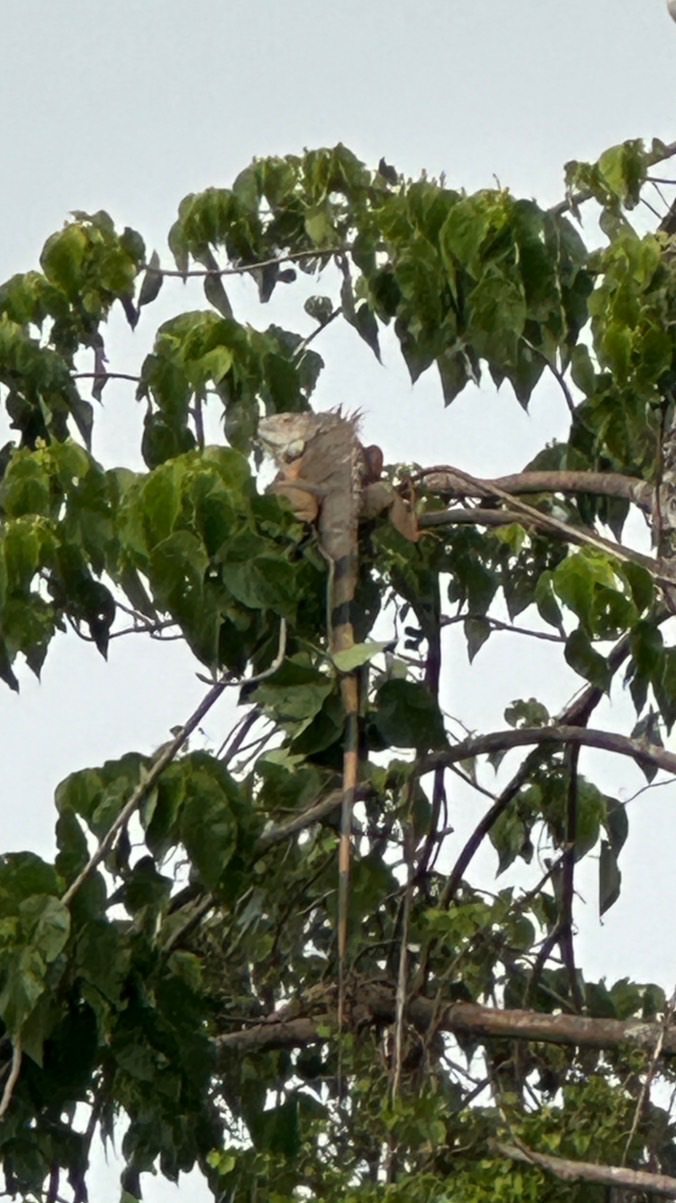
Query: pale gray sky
[[130, 104]]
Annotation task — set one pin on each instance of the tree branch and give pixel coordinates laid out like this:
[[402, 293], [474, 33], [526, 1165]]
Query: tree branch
[[659, 569], [500, 741], [640, 1181], [12, 1078], [446, 479], [376, 1002], [575, 714], [585, 194], [144, 787], [292, 257], [479, 745], [164, 759]]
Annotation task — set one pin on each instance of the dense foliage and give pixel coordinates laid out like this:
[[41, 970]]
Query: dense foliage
[[194, 1008]]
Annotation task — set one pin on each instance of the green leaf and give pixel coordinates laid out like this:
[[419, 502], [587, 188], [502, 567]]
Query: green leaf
[[47, 924], [6, 672], [25, 488], [62, 258], [23, 874], [407, 716], [208, 824], [276, 1130], [214, 291], [366, 325], [361, 653], [22, 988], [320, 308], [477, 631], [527, 714], [152, 282], [647, 730], [510, 838], [296, 691], [582, 658], [21, 548], [664, 685], [266, 582], [546, 602], [626, 998], [319, 226], [616, 824], [582, 370], [588, 584]]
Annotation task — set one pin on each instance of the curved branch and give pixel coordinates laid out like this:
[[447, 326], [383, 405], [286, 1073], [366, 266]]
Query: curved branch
[[576, 714], [445, 479], [479, 745], [277, 835], [501, 741], [659, 569], [472, 516], [105, 376]]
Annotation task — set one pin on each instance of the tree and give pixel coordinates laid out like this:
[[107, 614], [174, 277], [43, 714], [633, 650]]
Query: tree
[[175, 970]]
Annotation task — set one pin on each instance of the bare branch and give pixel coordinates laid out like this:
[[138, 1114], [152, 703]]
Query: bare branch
[[647, 1081], [640, 1181], [500, 741], [12, 1077], [376, 1002], [577, 713], [658, 569], [496, 624], [480, 745], [277, 835], [243, 268], [105, 376], [445, 479]]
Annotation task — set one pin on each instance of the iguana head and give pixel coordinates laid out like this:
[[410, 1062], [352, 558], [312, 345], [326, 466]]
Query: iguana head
[[283, 436]]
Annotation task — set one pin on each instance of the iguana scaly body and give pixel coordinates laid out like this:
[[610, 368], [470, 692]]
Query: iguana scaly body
[[322, 471], [331, 480]]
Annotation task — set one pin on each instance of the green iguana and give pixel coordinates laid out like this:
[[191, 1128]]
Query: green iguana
[[332, 481]]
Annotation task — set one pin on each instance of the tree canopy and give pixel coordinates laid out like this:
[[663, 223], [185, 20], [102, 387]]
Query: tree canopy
[[172, 976]]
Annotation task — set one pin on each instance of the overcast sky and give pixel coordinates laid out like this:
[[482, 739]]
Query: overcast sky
[[130, 104]]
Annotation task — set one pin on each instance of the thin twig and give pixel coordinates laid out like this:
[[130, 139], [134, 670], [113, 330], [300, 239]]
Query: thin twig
[[585, 194], [498, 625], [12, 1078], [234, 740], [647, 1082], [243, 268], [165, 758], [105, 376], [199, 421], [402, 972], [303, 346], [563, 384]]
